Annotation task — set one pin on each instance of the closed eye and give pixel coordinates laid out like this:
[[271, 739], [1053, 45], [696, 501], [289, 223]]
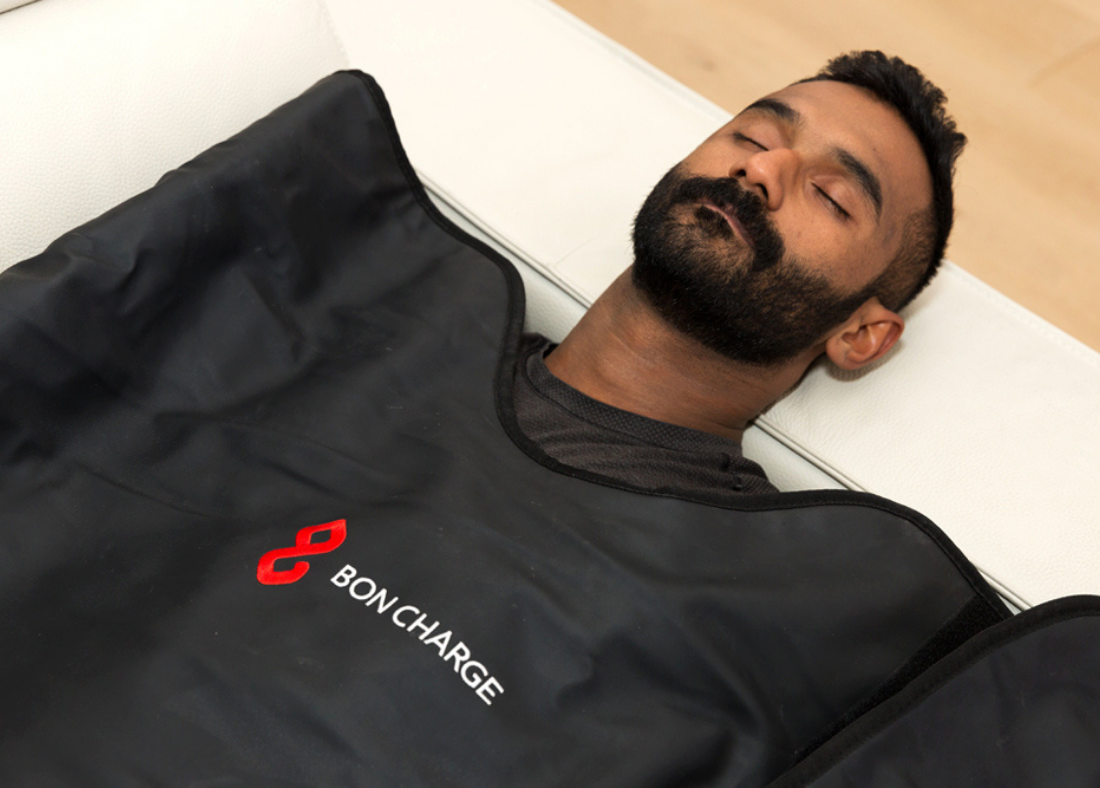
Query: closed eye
[[833, 204], [742, 138]]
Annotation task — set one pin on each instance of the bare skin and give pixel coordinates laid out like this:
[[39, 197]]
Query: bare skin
[[624, 354]]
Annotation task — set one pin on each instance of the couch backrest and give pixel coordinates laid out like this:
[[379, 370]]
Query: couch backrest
[[101, 97]]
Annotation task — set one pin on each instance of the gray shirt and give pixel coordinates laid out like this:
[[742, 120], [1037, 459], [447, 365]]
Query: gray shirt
[[584, 433]]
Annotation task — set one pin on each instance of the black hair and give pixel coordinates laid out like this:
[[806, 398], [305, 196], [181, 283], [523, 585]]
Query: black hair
[[921, 105]]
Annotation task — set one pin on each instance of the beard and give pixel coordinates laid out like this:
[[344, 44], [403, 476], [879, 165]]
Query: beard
[[749, 302]]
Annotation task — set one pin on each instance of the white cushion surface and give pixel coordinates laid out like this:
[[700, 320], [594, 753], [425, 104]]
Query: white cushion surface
[[7, 5], [986, 419], [101, 97], [547, 136]]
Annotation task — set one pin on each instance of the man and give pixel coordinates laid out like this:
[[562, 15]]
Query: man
[[269, 522], [798, 230]]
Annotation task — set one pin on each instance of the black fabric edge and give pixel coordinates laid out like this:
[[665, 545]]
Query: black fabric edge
[[513, 322], [973, 616], [506, 361], [875, 721]]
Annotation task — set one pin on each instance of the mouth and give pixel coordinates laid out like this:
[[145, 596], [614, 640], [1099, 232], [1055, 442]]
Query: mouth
[[728, 215]]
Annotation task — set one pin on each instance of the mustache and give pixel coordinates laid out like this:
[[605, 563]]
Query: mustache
[[745, 205]]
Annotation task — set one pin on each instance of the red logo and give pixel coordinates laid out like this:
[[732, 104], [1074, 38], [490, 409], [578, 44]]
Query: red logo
[[266, 572]]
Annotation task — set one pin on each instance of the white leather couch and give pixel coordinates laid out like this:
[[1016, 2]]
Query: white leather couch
[[543, 136]]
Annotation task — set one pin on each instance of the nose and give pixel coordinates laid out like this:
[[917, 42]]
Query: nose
[[768, 172]]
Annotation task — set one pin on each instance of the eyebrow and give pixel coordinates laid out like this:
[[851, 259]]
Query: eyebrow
[[777, 109], [868, 182]]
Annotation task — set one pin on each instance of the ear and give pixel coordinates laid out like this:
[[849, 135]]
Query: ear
[[866, 336]]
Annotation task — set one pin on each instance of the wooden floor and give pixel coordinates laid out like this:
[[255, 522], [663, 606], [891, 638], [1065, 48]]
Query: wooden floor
[[1023, 81]]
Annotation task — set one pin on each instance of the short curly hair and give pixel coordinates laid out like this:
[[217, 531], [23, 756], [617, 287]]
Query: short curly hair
[[921, 106]]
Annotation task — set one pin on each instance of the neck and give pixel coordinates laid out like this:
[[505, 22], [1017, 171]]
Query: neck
[[624, 354]]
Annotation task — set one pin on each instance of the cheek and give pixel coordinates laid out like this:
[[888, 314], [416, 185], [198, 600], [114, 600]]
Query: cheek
[[805, 240], [825, 248]]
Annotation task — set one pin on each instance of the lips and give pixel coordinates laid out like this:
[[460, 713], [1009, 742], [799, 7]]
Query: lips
[[727, 213]]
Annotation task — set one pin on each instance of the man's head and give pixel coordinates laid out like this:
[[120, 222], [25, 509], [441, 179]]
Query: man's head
[[804, 224]]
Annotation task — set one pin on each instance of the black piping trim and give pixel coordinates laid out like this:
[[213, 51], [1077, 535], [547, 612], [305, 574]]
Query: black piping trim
[[506, 361], [847, 741]]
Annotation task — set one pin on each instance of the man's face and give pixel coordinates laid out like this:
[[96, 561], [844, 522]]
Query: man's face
[[770, 233]]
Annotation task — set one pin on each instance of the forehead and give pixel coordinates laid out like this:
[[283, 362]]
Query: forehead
[[837, 116]]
